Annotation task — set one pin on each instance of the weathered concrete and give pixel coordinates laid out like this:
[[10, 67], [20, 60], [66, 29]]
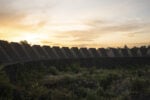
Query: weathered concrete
[[59, 52], [117, 52], [148, 52], [143, 51], [76, 51], [40, 52], [46, 53], [10, 51], [126, 52], [68, 52], [139, 54], [136, 52], [85, 53], [94, 53], [4, 58], [20, 51], [102, 52], [110, 52], [51, 53], [30, 52]]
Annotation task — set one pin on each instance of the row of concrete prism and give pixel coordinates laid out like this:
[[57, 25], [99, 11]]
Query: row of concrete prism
[[16, 52]]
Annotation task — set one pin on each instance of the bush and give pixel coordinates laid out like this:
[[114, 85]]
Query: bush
[[53, 70], [140, 89], [6, 89], [74, 83], [61, 94]]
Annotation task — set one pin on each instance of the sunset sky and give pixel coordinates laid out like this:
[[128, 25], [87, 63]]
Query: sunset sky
[[82, 23]]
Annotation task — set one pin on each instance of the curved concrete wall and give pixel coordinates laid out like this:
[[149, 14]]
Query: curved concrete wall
[[15, 52]]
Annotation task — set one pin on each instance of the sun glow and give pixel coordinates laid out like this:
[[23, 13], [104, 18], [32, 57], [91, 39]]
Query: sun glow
[[33, 38]]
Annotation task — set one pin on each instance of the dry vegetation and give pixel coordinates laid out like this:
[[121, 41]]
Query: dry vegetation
[[28, 82]]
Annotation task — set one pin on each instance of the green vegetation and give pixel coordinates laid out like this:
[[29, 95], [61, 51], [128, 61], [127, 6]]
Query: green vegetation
[[40, 82]]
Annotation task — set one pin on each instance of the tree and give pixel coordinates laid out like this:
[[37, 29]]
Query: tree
[[24, 42], [125, 46]]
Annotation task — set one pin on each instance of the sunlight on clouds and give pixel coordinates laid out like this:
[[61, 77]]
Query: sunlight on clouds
[[33, 38], [82, 23], [67, 27]]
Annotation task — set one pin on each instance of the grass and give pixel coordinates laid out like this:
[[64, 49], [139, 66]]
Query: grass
[[74, 82]]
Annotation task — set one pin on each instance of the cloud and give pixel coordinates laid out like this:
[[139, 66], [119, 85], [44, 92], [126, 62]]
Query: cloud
[[15, 22], [21, 16], [114, 26], [126, 27], [15, 13], [7, 12], [102, 28]]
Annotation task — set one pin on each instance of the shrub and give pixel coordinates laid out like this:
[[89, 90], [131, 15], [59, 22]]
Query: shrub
[[53, 70], [61, 94], [6, 88]]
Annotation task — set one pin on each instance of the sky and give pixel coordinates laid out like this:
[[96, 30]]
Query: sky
[[81, 23]]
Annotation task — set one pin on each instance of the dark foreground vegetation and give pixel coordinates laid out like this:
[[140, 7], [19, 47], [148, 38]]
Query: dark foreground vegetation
[[74, 82]]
